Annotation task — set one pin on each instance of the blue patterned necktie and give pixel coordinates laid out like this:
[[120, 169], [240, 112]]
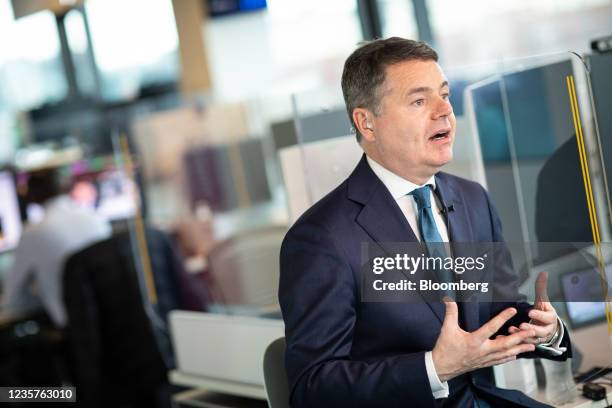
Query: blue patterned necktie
[[430, 235]]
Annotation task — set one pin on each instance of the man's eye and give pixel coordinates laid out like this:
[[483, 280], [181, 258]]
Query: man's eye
[[419, 102], [446, 96]]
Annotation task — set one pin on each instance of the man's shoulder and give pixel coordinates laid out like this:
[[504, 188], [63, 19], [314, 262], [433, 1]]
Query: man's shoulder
[[327, 225], [329, 210]]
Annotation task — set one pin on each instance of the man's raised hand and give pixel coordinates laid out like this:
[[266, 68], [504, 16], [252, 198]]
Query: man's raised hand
[[457, 351], [543, 316]]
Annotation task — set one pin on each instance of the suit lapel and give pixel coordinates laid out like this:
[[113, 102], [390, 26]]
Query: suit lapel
[[383, 220], [381, 217], [459, 228]]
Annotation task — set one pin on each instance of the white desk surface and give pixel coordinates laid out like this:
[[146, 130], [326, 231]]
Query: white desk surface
[[580, 401], [217, 385]]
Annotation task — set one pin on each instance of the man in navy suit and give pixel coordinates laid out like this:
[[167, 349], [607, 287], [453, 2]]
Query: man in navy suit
[[345, 352]]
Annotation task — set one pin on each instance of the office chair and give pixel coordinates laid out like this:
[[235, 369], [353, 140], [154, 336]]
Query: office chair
[[113, 343], [275, 376], [245, 269]]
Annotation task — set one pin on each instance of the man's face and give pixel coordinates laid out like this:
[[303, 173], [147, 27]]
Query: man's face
[[414, 132]]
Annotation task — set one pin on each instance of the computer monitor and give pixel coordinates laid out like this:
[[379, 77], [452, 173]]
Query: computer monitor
[[10, 219], [111, 193], [582, 291], [601, 83], [526, 135], [108, 191], [529, 103]]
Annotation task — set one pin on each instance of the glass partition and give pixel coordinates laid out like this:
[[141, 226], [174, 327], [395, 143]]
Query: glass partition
[[212, 180], [546, 111], [537, 133]]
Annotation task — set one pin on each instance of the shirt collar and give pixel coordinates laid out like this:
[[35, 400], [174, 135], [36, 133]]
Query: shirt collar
[[397, 186]]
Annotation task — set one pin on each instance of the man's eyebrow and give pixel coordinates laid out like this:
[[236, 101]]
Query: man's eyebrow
[[424, 89], [418, 90]]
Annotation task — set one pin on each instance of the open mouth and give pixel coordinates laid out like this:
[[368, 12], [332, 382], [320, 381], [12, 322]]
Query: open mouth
[[441, 135]]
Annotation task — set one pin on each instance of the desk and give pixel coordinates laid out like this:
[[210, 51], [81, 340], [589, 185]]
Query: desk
[[216, 393], [217, 385], [204, 399], [221, 354], [580, 401]]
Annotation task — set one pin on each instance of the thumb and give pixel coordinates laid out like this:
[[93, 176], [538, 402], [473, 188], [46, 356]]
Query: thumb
[[541, 296], [452, 314]]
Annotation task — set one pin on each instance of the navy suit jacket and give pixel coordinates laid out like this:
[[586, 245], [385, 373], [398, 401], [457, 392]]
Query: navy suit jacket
[[342, 352]]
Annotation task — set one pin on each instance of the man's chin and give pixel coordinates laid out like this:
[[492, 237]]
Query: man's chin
[[442, 160]]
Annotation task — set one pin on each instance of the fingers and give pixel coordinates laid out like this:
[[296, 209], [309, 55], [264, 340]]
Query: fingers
[[511, 352], [502, 361], [545, 317], [546, 306], [502, 343], [529, 340], [541, 296], [540, 331], [452, 313], [493, 325]]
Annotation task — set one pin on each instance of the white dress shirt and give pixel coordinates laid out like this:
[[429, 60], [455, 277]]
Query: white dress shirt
[[400, 189], [41, 253]]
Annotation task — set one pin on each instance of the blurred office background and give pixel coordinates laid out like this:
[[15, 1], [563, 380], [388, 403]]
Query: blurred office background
[[199, 130]]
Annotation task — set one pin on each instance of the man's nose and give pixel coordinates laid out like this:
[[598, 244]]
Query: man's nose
[[443, 108]]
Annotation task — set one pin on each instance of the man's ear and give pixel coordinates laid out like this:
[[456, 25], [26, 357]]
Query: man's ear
[[363, 122]]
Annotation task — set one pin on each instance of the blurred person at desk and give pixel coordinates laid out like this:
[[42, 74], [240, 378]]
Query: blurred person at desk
[[35, 278]]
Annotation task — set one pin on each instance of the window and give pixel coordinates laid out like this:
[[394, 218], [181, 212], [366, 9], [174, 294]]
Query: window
[[292, 46], [31, 70], [135, 44], [397, 19], [473, 31], [79, 49]]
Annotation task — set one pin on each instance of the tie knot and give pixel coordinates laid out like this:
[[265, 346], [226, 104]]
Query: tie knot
[[422, 197]]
